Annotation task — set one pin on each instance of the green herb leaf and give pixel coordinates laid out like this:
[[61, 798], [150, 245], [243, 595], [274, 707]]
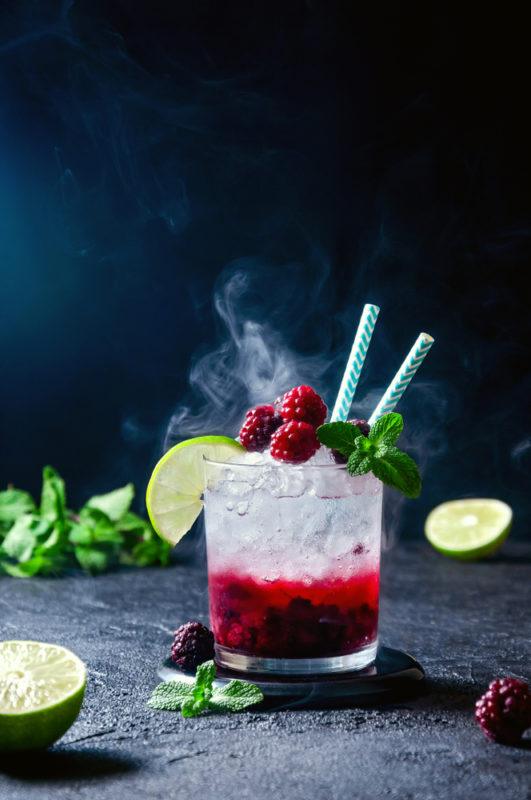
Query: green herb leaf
[[131, 522], [192, 700], [170, 696], [235, 696], [92, 559], [114, 504], [39, 564], [50, 538], [21, 539], [339, 436], [151, 551], [14, 503], [397, 469], [53, 502], [388, 427], [359, 463], [363, 444], [204, 678]]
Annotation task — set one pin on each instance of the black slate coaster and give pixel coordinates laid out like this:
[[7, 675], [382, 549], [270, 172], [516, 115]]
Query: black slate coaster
[[394, 675]]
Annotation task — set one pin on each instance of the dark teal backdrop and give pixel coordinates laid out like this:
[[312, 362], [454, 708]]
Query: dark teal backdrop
[[325, 153]]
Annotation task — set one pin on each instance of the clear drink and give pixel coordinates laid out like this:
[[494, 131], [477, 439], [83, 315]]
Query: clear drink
[[293, 566]]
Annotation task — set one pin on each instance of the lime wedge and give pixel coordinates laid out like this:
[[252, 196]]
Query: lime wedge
[[174, 493], [469, 529], [41, 691]]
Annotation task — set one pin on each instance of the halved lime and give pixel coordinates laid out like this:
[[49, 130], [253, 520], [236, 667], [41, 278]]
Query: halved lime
[[41, 691], [173, 496], [470, 528]]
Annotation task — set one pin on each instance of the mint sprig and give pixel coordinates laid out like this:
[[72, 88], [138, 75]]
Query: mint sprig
[[193, 699], [50, 538], [375, 453]]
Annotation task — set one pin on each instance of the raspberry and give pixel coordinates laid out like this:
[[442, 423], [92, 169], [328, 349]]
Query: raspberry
[[294, 442], [260, 423], [304, 405], [192, 645], [504, 711], [364, 427]]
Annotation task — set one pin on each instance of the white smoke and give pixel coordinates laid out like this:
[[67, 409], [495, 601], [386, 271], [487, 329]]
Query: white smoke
[[255, 361], [252, 364]]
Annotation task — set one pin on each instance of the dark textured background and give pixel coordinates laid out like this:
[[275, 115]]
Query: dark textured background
[[334, 155]]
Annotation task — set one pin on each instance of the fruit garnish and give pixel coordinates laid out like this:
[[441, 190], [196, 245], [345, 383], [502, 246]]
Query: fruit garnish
[[193, 644], [294, 442], [202, 695], [504, 711], [259, 425], [469, 528], [375, 453], [41, 691], [174, 493], [302, 404]]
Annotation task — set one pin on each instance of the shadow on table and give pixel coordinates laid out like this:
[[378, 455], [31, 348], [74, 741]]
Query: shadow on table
[[64, 765]]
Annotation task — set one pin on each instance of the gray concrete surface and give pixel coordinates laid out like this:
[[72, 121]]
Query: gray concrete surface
[[465, 622]]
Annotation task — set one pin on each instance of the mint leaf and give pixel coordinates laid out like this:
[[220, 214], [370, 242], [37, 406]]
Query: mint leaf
[[365, 445], [176, 695], [27, 569], [388, 427], [102, 529], [92, 559], [170, 696], [114, 504], [204, 678], [80, 534], [14, 503], [131, 522], [152, 550], [50, 538], [397, 469], [53, 502], [235, 696], [192, 708], [339, 436], [21, 540], [359, 463]]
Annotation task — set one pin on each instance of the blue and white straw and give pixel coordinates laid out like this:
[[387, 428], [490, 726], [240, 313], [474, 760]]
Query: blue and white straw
[[401, 381], [355, 363]]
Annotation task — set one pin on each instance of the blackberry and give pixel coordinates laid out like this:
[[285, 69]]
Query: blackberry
[[192, 645], [504, 711]]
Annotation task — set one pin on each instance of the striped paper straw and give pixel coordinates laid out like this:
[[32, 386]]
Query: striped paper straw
[[401, 381], [355, 363]]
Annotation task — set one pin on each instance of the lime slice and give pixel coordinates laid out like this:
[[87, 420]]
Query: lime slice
[[469, 529], [41, 691], [174, 493]]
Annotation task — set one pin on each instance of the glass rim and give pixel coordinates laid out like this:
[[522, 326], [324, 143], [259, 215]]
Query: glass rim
[[279, 465]]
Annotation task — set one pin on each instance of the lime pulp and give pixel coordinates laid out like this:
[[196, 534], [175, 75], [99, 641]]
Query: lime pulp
[[41, 690]]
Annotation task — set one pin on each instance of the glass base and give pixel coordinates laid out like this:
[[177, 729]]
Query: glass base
[[232, 660]]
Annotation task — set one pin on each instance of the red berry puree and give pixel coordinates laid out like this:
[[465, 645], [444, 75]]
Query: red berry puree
[[289, 619]]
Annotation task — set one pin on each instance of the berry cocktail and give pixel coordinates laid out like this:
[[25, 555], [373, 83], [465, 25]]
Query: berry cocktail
[[293, 566], [293, 521], [293, 543]]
